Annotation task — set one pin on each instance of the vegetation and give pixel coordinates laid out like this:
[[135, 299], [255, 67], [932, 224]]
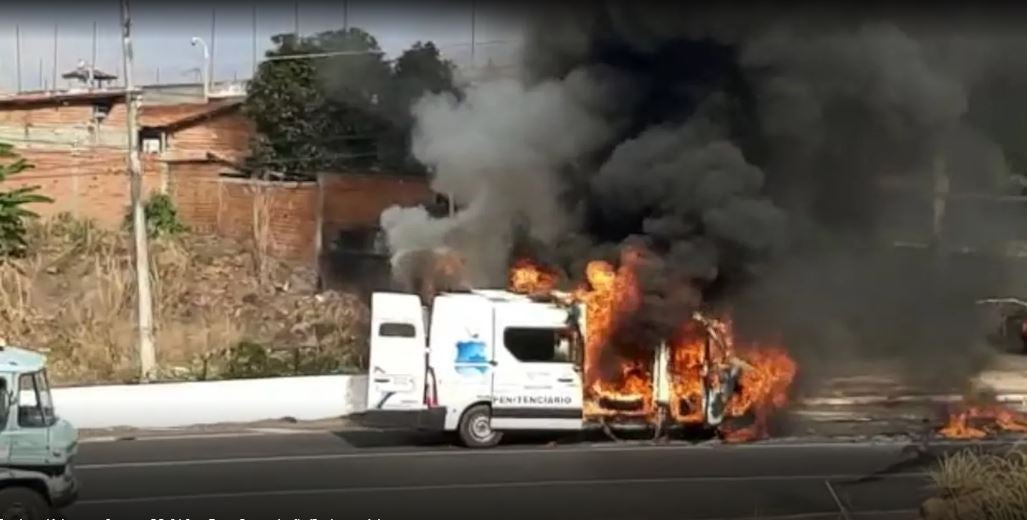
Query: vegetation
[[13, 213], [980, 485], [337, 112], [72, 296], [161, 217]]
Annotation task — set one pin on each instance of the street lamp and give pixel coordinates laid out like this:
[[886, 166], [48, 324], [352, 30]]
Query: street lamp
[[196, 40]]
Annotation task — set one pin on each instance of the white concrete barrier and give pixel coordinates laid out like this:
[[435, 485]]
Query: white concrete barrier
[[168, 405]]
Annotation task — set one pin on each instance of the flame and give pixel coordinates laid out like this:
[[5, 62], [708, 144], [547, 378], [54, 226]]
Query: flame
[[700, 355], [979, 421], [763, 390], [528, 277]]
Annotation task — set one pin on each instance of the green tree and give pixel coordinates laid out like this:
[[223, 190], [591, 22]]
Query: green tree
[[321, 112], [418, 71], [335, 112], [13, 214]]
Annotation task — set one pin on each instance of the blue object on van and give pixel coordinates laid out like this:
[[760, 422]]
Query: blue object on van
[[471, 358]]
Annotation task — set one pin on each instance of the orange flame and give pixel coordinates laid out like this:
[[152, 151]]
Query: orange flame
[[528, 277], [980, 421], [700, 354], [763, 389]]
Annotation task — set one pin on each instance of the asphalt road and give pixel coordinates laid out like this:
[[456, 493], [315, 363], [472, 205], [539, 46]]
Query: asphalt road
[[371, 475]]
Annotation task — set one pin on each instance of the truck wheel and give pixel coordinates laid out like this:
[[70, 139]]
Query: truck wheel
[[476, 428], [23, 503]]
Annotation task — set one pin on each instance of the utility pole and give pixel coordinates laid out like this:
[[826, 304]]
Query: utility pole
[[53, 84], [473, 17], [345, 15], [92, 63], [147, 355], [196, 40], [254, 41], [213, 24], [17, 53], [296, 20]]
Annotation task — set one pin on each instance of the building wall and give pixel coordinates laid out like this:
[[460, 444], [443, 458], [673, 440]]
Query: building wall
[[63, 126], [196, 192], [81, 164], [208, 203], [355, 201], [227, 135], [86, 183]]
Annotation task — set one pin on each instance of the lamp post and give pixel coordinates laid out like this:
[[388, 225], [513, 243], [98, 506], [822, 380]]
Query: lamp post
[[206, 63]]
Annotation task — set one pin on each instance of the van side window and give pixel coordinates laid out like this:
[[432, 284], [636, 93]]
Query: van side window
[[396, 330], [536, 344]]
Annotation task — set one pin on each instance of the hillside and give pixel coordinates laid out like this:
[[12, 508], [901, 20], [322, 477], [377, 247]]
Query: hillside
[[73, 298]]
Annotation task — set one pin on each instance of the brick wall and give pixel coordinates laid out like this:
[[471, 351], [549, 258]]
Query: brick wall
[[227, 135], [88, 183], [211, 204], [195, 188], [355, 201], [55, 126]]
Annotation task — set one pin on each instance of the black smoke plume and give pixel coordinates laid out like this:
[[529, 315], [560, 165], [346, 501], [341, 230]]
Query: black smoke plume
[[748, 151]]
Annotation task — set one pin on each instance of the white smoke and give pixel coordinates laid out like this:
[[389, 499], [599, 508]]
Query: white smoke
[[497, 153]]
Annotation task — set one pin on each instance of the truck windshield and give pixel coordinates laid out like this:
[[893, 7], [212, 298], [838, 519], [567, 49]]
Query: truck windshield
[[35, 404]]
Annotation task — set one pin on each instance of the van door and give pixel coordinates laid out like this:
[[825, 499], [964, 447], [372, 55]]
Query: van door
[[398, 353], [535, 384]]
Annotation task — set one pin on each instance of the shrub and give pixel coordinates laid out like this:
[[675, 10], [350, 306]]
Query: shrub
[[13, 214], [161, 216]]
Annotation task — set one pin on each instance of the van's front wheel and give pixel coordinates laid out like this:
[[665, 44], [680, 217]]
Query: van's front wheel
[[476, 428], [23, 503]]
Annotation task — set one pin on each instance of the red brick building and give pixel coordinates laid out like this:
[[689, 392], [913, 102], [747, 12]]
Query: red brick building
[[77, 145], [193, 152]]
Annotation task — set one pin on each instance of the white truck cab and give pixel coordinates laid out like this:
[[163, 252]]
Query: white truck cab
[[480, 363]]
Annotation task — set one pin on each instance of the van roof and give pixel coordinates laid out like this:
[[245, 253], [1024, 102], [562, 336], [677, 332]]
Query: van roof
[[14, 359], [499, 296]]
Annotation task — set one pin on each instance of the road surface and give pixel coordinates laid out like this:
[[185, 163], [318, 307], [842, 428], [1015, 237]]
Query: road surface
[[374, 475]]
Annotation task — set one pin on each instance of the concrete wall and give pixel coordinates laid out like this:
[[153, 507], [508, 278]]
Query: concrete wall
[[168, 405]]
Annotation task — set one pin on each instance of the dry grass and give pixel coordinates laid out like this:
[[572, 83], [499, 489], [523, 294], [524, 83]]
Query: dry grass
[[978, 485], [73, 296]]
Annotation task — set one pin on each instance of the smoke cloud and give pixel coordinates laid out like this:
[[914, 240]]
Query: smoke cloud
[[497, 153], [749, 153]]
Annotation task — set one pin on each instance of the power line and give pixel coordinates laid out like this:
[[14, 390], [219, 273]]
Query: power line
[[314, 55]]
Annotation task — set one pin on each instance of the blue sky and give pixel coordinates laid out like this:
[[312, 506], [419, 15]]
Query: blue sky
[[162, 30]]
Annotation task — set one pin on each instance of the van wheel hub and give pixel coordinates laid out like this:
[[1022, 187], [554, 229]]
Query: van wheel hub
[[481, 427]]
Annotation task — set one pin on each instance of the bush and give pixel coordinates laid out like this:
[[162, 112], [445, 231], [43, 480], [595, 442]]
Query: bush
[[161, 216], [975, 484], [13, 215]]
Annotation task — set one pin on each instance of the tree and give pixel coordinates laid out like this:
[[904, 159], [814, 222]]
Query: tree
[[13, 215], [342, 111], [418, 71], [322, 112]]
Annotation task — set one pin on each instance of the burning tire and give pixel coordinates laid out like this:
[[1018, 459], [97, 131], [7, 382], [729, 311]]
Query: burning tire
[[476, 428]]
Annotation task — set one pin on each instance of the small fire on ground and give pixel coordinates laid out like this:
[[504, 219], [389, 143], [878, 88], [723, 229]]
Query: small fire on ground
[[702, 355], [978, 421]]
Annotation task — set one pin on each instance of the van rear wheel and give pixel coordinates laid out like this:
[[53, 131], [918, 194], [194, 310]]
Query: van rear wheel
[[23, 503], [476, 428]]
